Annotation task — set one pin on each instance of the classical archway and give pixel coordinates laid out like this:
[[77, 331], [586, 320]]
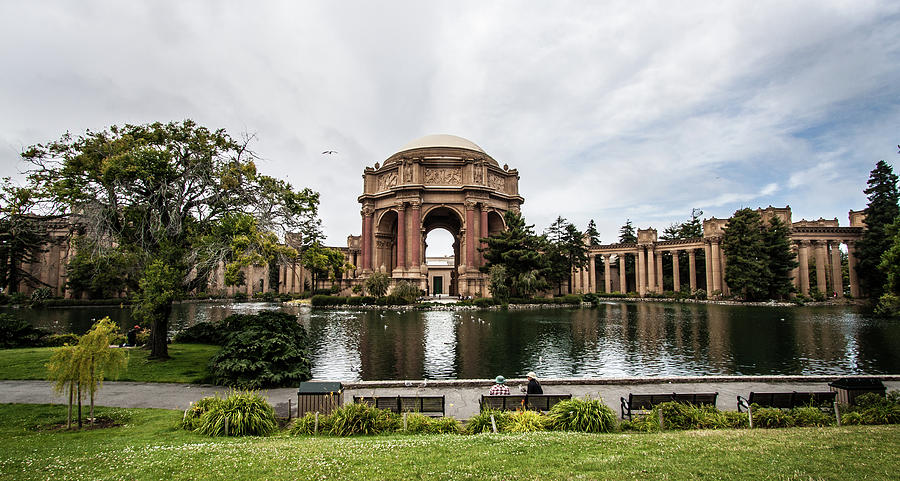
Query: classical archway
[[449, 220], [438, 181]]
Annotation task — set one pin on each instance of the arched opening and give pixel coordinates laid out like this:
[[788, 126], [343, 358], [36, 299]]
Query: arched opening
[[442, 227], [386, 243]]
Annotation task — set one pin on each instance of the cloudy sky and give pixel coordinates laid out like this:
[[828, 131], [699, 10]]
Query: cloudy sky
[[610, 110]]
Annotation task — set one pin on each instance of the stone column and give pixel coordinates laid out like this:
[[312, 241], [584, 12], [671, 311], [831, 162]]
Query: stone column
[[651, 271], [659, 273], [483, 232], [716, 266], [639, 273], [470, 235], [401, 236], [607, 282], [837, 277], [592, 272], [707, 249], [676, 276], [367, 214], [416, 240], [623, 283], [821, 268], [795, 272], [803, 259], [692, 269], [723, 263], [851, 268]]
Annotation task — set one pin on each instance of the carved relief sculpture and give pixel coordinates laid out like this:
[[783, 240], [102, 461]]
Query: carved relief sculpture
[[496, 182], [443, 176], [387, 181], [407, 171], [479, 173]]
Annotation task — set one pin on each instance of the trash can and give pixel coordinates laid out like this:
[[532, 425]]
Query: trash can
[[849, 388], [321, 397]]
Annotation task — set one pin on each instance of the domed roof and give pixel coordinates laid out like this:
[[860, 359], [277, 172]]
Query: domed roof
[[441, 140]]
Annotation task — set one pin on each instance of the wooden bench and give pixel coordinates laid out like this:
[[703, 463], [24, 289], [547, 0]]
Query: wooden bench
[[788, 400], [641, 403], [513, 402], [427, 405]]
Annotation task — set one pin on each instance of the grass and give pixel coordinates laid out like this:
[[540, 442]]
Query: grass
[[149, 447], [187, 365]]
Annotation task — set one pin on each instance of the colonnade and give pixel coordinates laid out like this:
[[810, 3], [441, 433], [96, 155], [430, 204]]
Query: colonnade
[[825, 255]]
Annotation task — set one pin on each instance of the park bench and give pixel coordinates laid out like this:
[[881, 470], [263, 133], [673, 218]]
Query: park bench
[[513, 402], [642, 403], [427, 405], [788, 400]]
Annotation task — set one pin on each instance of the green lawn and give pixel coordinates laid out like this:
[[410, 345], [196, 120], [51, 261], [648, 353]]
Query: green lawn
[[188, 364], [148, 447]]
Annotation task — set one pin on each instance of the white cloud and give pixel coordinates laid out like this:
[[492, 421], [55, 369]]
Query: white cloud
[[609, 110]]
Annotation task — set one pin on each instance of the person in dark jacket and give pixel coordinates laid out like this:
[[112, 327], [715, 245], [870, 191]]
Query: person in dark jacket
[[534, 387]]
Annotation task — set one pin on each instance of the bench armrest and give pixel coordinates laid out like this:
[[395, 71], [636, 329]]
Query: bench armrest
[[625, 407], [742, 403]]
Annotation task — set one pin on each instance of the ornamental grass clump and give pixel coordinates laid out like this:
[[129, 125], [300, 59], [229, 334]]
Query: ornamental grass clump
[[192, 415], [445, 425], [481, 423], [241, 413], [307, 425], [417, 423], [527, 422], [811, 416], [873, 408], [585, 415], [771, 418], [358, 418]]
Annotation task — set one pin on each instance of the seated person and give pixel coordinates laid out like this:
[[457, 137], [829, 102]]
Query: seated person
[[499, 388]]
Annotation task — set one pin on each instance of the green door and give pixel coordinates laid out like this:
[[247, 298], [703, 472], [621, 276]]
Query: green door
[[438, 286]]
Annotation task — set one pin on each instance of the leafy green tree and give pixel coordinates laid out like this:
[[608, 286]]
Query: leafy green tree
[[23, 236], [159, 189], [377, 284], [889, 302], [744, 247], [498, 284], [97, 359], [323, 262], [592, 233], [101, 273], [780, 259], [63, 372], [881, 211], [159, 288], [520, 252]]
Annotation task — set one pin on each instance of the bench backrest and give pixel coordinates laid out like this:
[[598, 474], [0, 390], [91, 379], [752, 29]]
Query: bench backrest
[[638, 402], [536, 402], [399, 404], [787, 400]]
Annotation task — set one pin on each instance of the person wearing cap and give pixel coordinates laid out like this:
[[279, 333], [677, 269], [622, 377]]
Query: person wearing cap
[[534, 387], [499, 388]]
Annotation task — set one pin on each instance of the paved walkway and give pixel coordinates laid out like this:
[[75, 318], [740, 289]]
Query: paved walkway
[[462, 396]]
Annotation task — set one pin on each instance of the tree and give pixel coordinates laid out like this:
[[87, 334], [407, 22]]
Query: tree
[[323, 262], [22, 236], [377, 284], [881, 211], [780, 259], [889, 302], [101, 273], [626, 233], [592, 233], [498, 283], [744, 247], [159, 189], [98, 360], [62, 370], [520, 252]]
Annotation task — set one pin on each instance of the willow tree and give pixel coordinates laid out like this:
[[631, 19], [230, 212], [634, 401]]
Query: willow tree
[[158, 190]]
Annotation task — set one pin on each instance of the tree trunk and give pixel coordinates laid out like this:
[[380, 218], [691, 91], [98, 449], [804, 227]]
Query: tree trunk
[[79, 406], [92, 391], [159, 330], [71, 401]]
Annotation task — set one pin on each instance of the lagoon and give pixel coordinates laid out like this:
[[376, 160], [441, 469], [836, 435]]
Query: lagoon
[[615, 339]]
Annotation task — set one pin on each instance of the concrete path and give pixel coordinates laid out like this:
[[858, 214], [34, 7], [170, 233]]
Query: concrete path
[[462, 396]]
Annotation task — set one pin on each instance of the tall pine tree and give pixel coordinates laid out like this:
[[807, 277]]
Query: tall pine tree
[[744, 247], [780, 259], [881, 212], [520, 252]]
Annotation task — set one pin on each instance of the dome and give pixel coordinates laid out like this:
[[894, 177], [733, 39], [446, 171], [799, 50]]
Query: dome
[[441, 140]]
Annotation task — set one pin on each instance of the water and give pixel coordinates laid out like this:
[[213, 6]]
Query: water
[[615, 339]]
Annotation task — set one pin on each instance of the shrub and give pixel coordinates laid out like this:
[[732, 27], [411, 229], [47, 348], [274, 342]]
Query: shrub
[[527, 422], [201, 333], [585, 415], [853, 418], [359, 418], [771, 418], [40, 295], [571, 299], [57, 340], [483, 302], [247, 412], [239, 296], [15, 332], [406, 291], [810, 416], [417, 423], [481, 423], [735, 420], [445, 425], [320, 300], [307, 424], [871, 400], [590, 297], [377, 284], [883, 414], [268, 349], [191, 419]]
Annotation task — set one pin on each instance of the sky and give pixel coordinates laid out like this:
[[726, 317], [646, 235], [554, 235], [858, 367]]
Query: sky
[[609, 110]]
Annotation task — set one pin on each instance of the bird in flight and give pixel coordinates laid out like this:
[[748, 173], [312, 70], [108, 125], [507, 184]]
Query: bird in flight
[[329, 152]]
